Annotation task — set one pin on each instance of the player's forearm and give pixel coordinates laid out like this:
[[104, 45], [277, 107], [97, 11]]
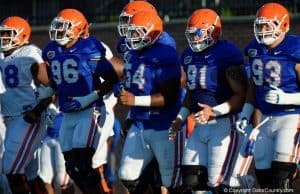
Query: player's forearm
[[236, 102], [39, 73], [250, 94], [157, 100], [43, 104], [118, 65]]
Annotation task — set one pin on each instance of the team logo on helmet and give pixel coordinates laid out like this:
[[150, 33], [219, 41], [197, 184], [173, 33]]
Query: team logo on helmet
[[252, 52], [187, 59], [51, 54]]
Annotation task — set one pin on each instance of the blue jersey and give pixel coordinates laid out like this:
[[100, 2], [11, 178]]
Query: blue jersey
[[206, 79], [122, 47], [74, 69], [275, 67], [53, 130], [145, 70], [164, 39]]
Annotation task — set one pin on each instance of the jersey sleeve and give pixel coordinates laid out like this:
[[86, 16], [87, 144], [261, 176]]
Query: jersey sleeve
[[250, 47], [294, 49], [100, 65], [44, 54], [168, 67], [233, 55], [121, 47], [167, 73], [97, 59], [35, 53], [108, 52], [185, 59]]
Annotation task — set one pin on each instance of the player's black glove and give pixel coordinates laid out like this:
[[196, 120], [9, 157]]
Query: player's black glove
[[31, 117], [34, 115]]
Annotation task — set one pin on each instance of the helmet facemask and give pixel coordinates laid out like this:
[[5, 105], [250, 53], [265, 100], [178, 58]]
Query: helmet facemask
[[199, 39], [9, 38], [267, 31], [137, 37], [124, 21], [61, 31]]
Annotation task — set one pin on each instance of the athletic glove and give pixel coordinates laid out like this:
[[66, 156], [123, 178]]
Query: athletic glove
[[241, 124], [79, 103], [278, 96]]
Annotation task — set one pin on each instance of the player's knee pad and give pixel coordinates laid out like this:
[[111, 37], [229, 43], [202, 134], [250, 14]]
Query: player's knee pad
[[18, 183], [282, 174], [37, 186], [194, 178], [132, 186]]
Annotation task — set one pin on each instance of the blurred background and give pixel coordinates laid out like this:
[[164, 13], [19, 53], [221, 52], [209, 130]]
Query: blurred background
[[237, 16]]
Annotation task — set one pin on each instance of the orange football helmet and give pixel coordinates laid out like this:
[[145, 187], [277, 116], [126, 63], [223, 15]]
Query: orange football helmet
[[203, 29], [69, 24], [129, 10], [14, 32], [272, 21], [144, 29]]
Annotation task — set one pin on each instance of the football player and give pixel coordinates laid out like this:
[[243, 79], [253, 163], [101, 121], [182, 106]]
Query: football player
[[127, 13], [77, 61], [52, 164], [274, 90], [216, 88], [151, 91], [22, 68]]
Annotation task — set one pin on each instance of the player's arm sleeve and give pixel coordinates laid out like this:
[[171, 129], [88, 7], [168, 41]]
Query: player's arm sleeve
[[108, 52], [34, 115], [118, 65], [106, 71]]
